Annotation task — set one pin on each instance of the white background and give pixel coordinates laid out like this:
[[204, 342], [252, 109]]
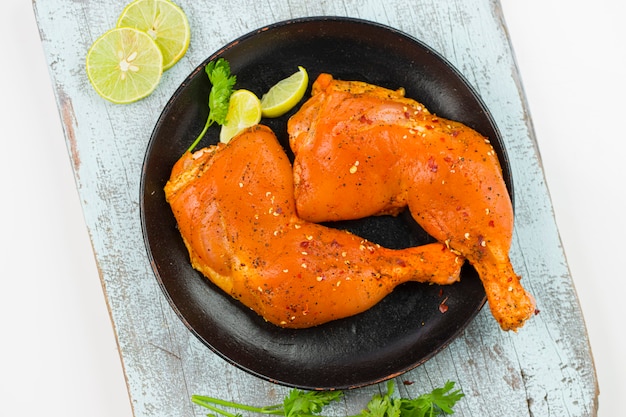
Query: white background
[[58, 354]]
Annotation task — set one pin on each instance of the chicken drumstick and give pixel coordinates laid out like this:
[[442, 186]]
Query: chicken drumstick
[[381, 152], [235, 209]]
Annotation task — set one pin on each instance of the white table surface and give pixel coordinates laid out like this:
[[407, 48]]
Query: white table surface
[[59, 354]]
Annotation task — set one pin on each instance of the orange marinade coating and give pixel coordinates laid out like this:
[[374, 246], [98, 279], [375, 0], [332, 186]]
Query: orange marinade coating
[[235, 208], [381, 152]]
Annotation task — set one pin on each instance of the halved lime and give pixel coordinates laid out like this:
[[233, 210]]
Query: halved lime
[[244, 110], [285, 94], [124, 65], [164, 21]]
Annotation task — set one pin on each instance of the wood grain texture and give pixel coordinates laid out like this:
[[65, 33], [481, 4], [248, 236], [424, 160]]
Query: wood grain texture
[[544, 370]]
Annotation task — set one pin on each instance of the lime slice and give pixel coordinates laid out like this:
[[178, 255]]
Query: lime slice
[[164, 21], [124, 65], [284, 95], [244, 110]]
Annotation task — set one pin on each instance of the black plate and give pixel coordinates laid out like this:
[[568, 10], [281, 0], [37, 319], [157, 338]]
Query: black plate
[[407, 327]]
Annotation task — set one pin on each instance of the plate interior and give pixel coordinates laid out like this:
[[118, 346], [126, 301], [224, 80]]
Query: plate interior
[[407, 327]]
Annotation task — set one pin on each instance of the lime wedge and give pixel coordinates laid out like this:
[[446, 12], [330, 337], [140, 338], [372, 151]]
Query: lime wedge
[[244, 110], [124, 65], [164, 21], [285, 94]]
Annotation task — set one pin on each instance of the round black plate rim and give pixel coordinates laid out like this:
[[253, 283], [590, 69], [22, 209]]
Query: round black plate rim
[[349, 381]]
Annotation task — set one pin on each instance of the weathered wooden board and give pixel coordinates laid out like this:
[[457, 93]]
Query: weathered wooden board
[[544, 370]]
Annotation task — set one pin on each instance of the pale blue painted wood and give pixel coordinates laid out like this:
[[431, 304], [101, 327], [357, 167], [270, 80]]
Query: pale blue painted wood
[[544, 370]]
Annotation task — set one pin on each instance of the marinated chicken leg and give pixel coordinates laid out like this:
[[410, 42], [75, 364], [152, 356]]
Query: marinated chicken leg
[[363, 150], [235, 209]]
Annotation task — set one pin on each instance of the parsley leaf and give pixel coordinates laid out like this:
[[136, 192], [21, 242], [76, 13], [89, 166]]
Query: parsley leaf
[[222, 84], [297, 404], [308, 402], [439, 401], [300, 403], [383, 405]]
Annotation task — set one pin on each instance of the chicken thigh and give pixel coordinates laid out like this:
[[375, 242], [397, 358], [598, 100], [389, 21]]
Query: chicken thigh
[[235, 209], [362, 150]]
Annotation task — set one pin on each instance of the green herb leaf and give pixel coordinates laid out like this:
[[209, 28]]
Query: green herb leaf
[[383, 405], [440, 401], [299, 403], [222, 84]]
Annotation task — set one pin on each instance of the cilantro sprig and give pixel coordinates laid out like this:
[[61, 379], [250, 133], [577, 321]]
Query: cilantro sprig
[[222, 84], [300, 403], [296, 404], [438, 402]]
